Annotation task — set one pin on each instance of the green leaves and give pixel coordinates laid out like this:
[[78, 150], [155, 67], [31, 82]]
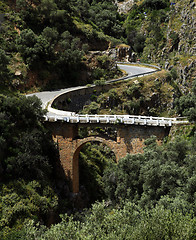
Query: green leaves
[[156, 4], [25, 145], [158, 172], [4, 72], [103, 14], [20, 200], [128, 222], [27, 153], [186, 105], [94, 158]]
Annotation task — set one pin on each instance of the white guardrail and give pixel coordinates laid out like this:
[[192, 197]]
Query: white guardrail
[[116, 119], [71, 117]]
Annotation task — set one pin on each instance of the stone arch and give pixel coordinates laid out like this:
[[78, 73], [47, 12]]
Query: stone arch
[[80, 143]]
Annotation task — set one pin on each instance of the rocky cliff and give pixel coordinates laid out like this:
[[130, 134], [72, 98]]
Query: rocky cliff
[[163, 32], [180, 49]]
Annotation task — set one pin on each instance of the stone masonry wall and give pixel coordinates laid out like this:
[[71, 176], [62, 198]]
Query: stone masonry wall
[[130, 139], [76, 99]]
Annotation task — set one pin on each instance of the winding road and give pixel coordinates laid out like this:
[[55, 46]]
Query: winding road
[[47, 98]]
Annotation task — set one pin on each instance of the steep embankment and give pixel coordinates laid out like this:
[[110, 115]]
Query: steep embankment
[[151, 95], [164, 32], [180, 50], [46, 44]]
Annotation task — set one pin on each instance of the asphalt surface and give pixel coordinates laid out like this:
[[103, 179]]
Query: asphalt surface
[[134, 70], [47, 96]]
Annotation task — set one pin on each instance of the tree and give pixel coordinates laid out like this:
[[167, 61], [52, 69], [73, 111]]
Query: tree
[[83, 7], [104, 15], [26, 43], [28, 156], [156, 4], [122, 181], [93, 159], [126, 222], [4, 72], [146, 178], [186, 105], [29, 12], [26, 146]]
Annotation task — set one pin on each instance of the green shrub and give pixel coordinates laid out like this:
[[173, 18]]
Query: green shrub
[[100, 82]]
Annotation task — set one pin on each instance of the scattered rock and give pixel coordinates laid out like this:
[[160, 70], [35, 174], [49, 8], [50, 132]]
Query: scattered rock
[[136, 82], [170, 67], [18, 73], [192, 5], [124, 6], [123, 53], [166, 65]]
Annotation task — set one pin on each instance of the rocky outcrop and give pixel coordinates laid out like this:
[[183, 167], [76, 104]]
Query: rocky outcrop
[[179, 52], [181, 31], [125, 53], [122, 52], [187, 32], [185, 73], [124, 6]]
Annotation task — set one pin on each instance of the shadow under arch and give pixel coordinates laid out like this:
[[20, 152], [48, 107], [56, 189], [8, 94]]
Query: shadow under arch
[[111, 144]]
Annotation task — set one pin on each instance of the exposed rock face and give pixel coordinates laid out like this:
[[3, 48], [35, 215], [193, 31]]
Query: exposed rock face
[[124, 53], [187, 32], [185, 73], [120, 53], [124, 6], [181, 42], [181, 33]]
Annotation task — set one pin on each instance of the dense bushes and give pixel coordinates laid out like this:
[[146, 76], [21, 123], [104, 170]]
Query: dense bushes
[[145, 26], [60, 52], [103, 14], [159, 172], [21, 200], [4, 72], [27, 160], [126, 222], [150, 196], [156, 4], [144, 96], [25, 145], [186, 105], [53, 36], [93, 160]]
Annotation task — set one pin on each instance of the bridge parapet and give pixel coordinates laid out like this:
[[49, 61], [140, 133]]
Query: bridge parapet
[[117, 119], [131, 131], [72, 117]]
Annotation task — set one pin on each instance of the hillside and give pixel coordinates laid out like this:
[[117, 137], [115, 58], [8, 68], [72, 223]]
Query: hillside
[[162, 33], [52, 44], [47, 40], [39, 45], [165, 34]]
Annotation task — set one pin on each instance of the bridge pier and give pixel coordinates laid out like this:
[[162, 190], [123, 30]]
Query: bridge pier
[[130, 139]]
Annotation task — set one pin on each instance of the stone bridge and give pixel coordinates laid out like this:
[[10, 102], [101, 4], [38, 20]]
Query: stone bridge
[[131, 131], [129, 139]]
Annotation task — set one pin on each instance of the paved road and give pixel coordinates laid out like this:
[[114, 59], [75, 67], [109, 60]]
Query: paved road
[[55, 115], [47, 96], [134, 70]]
